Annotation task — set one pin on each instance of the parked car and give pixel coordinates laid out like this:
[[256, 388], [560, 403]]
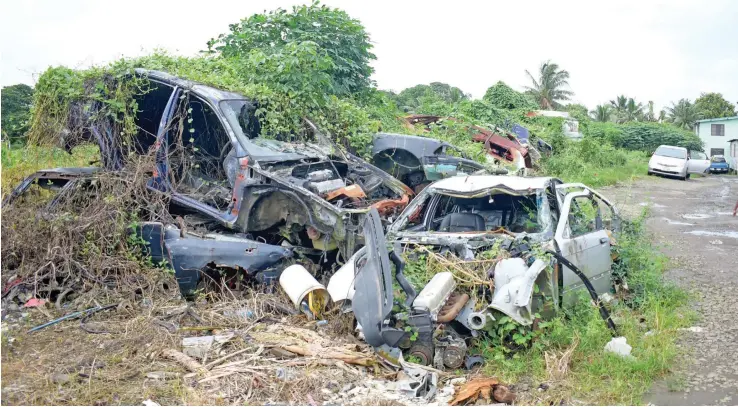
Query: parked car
[[467, 216], [417, 160], [718, 165], [677, 162], [225, 178]]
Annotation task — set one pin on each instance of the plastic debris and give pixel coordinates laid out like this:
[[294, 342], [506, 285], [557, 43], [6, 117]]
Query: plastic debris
[[619, 346], [417, 382]]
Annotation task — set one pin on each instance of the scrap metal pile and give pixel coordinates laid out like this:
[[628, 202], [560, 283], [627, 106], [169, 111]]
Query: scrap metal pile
[[229, 211]]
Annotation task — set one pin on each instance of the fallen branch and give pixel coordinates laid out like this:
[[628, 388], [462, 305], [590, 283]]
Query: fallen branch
[[187, 362], [355, 359]]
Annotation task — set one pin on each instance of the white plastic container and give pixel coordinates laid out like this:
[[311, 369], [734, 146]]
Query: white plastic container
[[435, 293], [297, 282]]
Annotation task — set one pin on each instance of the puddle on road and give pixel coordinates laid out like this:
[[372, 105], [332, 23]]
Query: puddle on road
[[728, 233], [654, 205], [677, 223], [696, 216]]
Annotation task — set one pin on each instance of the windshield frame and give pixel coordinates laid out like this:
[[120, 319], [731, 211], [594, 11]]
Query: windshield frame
[[682, 151]]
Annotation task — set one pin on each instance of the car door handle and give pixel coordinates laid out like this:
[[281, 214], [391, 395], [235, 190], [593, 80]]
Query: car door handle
[[604, 240]]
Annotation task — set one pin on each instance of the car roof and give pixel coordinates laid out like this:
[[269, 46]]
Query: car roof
[[214, 95], [473, 183], [666, 145]]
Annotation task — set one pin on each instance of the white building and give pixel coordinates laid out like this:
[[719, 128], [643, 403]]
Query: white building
[[720, 137]]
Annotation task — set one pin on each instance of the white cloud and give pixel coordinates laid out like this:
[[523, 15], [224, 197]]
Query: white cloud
[[660, 50]]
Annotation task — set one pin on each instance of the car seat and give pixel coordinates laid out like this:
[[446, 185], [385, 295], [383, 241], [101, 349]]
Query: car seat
[[462, 222]]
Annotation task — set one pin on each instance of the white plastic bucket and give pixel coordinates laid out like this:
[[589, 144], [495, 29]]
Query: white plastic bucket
[[297, 282]]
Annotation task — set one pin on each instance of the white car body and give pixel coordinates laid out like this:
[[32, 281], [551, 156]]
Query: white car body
[[676, 162]]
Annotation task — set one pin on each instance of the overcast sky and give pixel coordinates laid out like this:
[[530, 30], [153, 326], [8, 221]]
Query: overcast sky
[[650, 50]]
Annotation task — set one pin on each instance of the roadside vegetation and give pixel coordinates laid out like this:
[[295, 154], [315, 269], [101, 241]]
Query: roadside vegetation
[[315, 62]]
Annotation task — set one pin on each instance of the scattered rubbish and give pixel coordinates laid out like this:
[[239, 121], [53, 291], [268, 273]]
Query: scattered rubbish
[[78, 314], [306, 293], [150, 403], [648, 333], [160, 375], [730, 234], [619, 346], [473, 362], [485, 390], [285, 374], [241, 313], [716, 242], [199, 346], [514, 288], [34, 302], [695, 329], [415, 382]]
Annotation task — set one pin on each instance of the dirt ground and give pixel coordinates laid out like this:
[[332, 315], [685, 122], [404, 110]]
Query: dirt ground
[[693, 222]]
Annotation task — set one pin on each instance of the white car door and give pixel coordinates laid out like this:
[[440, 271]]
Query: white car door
[[698, 162], [582, 239]]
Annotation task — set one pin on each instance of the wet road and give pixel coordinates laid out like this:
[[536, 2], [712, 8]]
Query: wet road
[[693, 222]]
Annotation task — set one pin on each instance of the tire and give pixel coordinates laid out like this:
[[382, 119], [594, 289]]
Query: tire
[[687, 176], [650, 173]]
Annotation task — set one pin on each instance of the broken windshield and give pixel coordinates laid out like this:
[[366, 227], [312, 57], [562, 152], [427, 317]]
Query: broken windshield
[[499, 211], [241, 115]]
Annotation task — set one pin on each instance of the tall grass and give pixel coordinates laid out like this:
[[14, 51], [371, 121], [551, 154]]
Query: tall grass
[[18, 163], [652, 305], [594, 163]]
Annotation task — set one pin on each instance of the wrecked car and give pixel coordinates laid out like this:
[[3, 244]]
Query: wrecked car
[[417, 160], [539, 223], [501, 146], [221, 177]]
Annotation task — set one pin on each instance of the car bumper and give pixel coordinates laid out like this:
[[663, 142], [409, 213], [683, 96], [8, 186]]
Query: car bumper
[[716, 170], [666, 171]]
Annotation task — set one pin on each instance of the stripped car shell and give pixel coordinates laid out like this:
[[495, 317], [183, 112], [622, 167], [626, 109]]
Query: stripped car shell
[[467, 215]]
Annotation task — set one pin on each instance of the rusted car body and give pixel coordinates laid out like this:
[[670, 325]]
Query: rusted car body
[[499, 144], [221, 177]]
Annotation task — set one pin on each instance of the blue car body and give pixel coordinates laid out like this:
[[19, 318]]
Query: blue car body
[[719, 165]]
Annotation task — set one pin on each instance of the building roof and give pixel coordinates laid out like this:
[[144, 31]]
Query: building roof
[[719, 119]]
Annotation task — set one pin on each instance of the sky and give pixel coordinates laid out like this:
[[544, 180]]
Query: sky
[[647, 49]]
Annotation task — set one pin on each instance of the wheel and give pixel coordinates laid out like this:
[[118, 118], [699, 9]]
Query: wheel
[[650, 173], [687, 176]]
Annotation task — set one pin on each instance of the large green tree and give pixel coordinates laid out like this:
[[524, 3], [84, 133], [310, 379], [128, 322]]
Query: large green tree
[[548, 88], [601, 113], [336, 35], [16, 111], [713, 105], [683, 114], [411, 98], [504, 97]]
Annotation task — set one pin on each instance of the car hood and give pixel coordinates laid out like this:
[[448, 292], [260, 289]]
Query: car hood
[[671, 161], [267, 150]]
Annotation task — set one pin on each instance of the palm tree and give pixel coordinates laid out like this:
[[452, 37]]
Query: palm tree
[[649, 116], [626, 109], [601, 113], [683, 114], [547, 90]]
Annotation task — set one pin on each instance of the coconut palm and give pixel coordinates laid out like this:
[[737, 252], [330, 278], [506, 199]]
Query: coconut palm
[[683, 114], [626, 109], [601, 113], [548, 88]]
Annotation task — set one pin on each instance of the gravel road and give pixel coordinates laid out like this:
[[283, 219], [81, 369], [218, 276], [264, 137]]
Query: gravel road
[[693, 222]]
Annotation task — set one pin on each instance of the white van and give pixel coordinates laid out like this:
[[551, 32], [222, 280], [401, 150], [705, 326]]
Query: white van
[[676, 162]]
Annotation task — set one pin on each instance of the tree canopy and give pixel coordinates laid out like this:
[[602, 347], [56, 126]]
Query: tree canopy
[[411, 98], [332, 33], [16, 111], [548, 89], [504, 97], [713, 105], [683, 114]]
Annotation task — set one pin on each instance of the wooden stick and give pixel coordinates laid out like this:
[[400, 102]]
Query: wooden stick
[[238, 352], [190, 364]]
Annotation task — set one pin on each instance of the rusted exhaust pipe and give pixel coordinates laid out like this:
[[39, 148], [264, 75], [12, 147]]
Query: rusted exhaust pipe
[[452, 308]]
